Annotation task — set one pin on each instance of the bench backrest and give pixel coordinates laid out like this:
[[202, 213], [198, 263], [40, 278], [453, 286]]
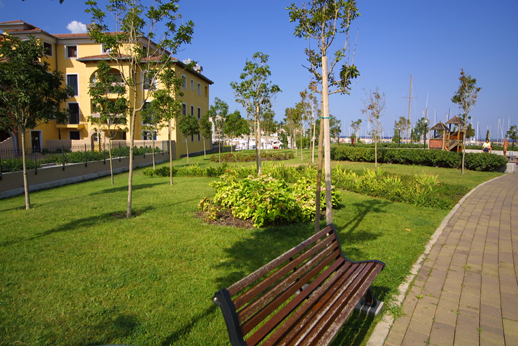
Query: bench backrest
[[273, 302]]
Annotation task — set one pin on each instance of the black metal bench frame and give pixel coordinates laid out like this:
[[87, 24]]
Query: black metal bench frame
[[303, 296]]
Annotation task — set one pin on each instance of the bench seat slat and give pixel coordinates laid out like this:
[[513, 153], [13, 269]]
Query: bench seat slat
[[344, 299], [246, 297], [295, 317], [302, 297], [333, 329], [307, 322], [279, 300], [291, 306], [238, 286]]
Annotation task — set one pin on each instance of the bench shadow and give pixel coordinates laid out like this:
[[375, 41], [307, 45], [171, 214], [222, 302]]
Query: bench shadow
[[266, 244], [179, 335]]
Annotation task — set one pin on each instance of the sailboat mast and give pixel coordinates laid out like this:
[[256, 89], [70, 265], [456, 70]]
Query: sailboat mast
[[409, 105]]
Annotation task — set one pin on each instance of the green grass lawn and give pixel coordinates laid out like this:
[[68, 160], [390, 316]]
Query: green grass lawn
[[74, 271]]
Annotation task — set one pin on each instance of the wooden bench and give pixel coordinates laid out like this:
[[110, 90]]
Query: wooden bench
[[302, 297]]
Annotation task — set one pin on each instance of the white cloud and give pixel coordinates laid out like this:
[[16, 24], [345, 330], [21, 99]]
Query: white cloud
[[76, 27]]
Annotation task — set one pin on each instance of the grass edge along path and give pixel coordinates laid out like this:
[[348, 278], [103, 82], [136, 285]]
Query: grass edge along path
[[73, 271]]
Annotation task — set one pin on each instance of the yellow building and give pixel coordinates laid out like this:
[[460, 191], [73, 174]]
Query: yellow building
[[77, 56]]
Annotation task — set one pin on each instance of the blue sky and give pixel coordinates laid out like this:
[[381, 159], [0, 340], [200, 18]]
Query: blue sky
[[430, 40]]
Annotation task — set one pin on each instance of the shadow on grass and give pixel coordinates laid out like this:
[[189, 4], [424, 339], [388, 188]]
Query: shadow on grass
[[179, 335], [112, 329], [78, 224], [125, 188]]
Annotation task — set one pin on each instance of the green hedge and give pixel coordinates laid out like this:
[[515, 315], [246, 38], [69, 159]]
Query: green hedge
[[250, 157], [15, 165], [435, 158]]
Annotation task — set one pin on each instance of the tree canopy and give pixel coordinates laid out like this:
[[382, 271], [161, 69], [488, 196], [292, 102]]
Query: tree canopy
[[256, 94], [29, 92]]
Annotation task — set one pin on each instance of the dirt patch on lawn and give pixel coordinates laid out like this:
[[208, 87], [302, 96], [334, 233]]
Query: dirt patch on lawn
[[226, 219]]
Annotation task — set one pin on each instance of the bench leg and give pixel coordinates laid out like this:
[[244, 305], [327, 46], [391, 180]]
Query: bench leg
[[369, 299], [369, 305]]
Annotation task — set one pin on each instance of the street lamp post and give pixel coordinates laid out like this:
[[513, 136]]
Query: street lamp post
[[426, 123]]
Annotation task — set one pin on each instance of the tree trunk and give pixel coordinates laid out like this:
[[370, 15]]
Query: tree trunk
[[463, 145], [153, 150], [313, 139], [24, 164], [319, 178], [130, 175], [111, 161], [376, 144], [301, 154], [187, 148], [258, 142], [170, 154], [327, 141]]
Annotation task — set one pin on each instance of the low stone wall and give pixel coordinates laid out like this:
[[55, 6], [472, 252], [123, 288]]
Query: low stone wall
[[11, 184]]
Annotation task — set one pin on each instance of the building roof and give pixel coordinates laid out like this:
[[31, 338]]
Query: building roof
[[439, 126], [21, 27], [455, 120]]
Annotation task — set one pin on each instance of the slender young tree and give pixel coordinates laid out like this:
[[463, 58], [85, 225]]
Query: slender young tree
[[218, 113], [29, 92], [139, 50], [374, 105], [256, 94], [205, 130], [402, 124], [292, 120], [356, 126], [108, 112], [513, 134], [465, 98], [188, 125], [315, 111], [167, 106], [323, 20], [235, 126]]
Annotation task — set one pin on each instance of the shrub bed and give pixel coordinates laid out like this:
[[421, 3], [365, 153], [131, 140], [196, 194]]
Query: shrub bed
[[436, 158], [264, 200], [249, 157]]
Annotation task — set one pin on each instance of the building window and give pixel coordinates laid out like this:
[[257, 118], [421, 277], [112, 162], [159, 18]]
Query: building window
[[146, 114], [105, 49], [192, 85], [199, 137], [47, 49], [199, 89], [149, 135], [192, 138], [74, 135], [149, 83], [206, 91], [73, 84], [73, 113], [199, 113], [71, 51], [184, 82], [192, 110], [184, 109]]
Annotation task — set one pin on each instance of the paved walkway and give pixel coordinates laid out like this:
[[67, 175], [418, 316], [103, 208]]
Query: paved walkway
[[466, 291]]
